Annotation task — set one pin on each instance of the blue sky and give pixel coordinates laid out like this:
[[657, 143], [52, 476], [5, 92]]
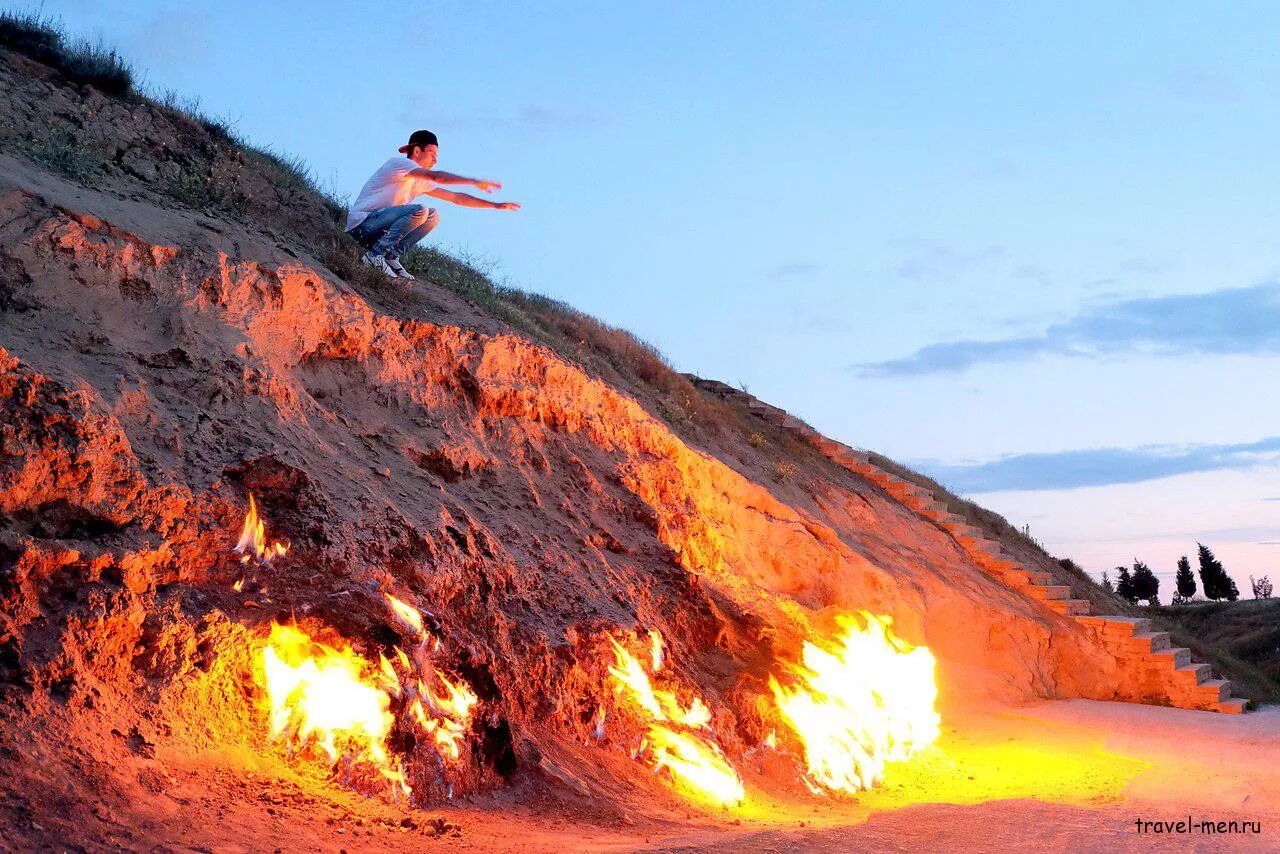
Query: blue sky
[[1029, 247]]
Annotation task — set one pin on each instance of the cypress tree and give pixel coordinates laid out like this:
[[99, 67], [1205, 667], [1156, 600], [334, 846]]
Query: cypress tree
[[1185, 580], [1229, 590], [1106, 582], [1214, 580], [1124, 584], [1145, 584]]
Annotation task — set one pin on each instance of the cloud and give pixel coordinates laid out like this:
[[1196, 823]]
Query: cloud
[[1232, 321], [934, 260], [1100, 466], [1203, 84], [788, 271]]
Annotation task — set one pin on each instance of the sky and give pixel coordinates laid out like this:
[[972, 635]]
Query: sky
[[1027, 248]]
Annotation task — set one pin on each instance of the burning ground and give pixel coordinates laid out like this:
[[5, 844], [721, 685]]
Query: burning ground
[[287, 560]]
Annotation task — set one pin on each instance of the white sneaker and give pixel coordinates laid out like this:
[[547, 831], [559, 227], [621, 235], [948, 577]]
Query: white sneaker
[[377, 262], [394, 264]]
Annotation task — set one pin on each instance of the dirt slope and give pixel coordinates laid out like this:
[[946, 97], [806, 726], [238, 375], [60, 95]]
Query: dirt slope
[[158, 365]]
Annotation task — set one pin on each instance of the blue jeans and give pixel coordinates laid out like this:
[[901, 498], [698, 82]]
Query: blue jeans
[[390, 231]]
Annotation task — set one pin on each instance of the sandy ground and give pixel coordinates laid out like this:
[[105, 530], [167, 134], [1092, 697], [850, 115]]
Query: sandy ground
[[1062, 776]]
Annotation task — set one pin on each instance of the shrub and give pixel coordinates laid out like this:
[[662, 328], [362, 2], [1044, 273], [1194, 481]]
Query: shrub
[[59, 151], [1261, 587], [783, 469], [755, 440], [81, 61]]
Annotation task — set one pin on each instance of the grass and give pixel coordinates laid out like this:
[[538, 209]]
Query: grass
[[79, 60], [1239, 638], [58, 150]]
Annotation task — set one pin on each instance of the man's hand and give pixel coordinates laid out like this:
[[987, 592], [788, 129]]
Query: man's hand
[[488, 186], [506, 206]]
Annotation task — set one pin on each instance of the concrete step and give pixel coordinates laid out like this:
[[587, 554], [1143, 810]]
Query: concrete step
[[1015, 578], [1116, 626], [1048, 593], [1173, 657], [1215, 690], [1233, 706], [1002, 566], [1149, 641], [1195, 673], [1069, 607]]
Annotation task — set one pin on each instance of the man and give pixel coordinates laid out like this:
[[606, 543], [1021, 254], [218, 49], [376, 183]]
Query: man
[[383, 218]]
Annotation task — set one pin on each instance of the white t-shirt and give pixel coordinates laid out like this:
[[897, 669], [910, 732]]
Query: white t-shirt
[[393, 184]]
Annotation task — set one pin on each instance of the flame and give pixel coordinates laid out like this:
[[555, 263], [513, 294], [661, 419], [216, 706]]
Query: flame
[[322, 695], [695, 762], [450, 716], [253, 539], [655, 649], [860, 700], [446, 714], [406, 612]]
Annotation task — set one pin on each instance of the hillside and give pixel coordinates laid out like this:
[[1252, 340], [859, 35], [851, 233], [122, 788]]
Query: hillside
[[488, 500]]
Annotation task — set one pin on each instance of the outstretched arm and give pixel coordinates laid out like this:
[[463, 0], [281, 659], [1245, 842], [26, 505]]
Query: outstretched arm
[[457, 180], [468, 201]]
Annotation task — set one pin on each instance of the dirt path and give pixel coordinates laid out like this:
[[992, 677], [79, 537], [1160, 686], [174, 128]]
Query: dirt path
[[1070, 775]]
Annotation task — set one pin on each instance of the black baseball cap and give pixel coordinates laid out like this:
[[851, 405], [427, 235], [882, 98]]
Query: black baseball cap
[[419, 139]]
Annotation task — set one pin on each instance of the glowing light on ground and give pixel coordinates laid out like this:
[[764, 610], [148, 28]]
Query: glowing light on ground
[[678, 738], [859, 700]]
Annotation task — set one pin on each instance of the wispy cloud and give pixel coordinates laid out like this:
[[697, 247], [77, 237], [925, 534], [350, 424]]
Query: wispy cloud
[[1204, 84], [1224, 322], [1100, 466], [788, 271], [934, 260]]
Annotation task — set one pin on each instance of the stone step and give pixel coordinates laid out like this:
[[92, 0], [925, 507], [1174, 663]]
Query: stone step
[[1069, 607], [1002, 566], [1015, 578], [1173, 657], [1232, 706], [1195, 673], [1149, 641], [1215, 690], [1038, 577], [1049, 592], [1115, 626]]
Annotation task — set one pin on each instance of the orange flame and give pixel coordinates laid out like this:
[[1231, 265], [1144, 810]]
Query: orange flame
[[253, 539], [322, 695], [450, 716], [406, 612], [445, 715], [696, 764], [655, 649], [860, 700]]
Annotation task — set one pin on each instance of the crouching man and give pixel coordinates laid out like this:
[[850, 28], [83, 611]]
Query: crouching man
[[384, 219]]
